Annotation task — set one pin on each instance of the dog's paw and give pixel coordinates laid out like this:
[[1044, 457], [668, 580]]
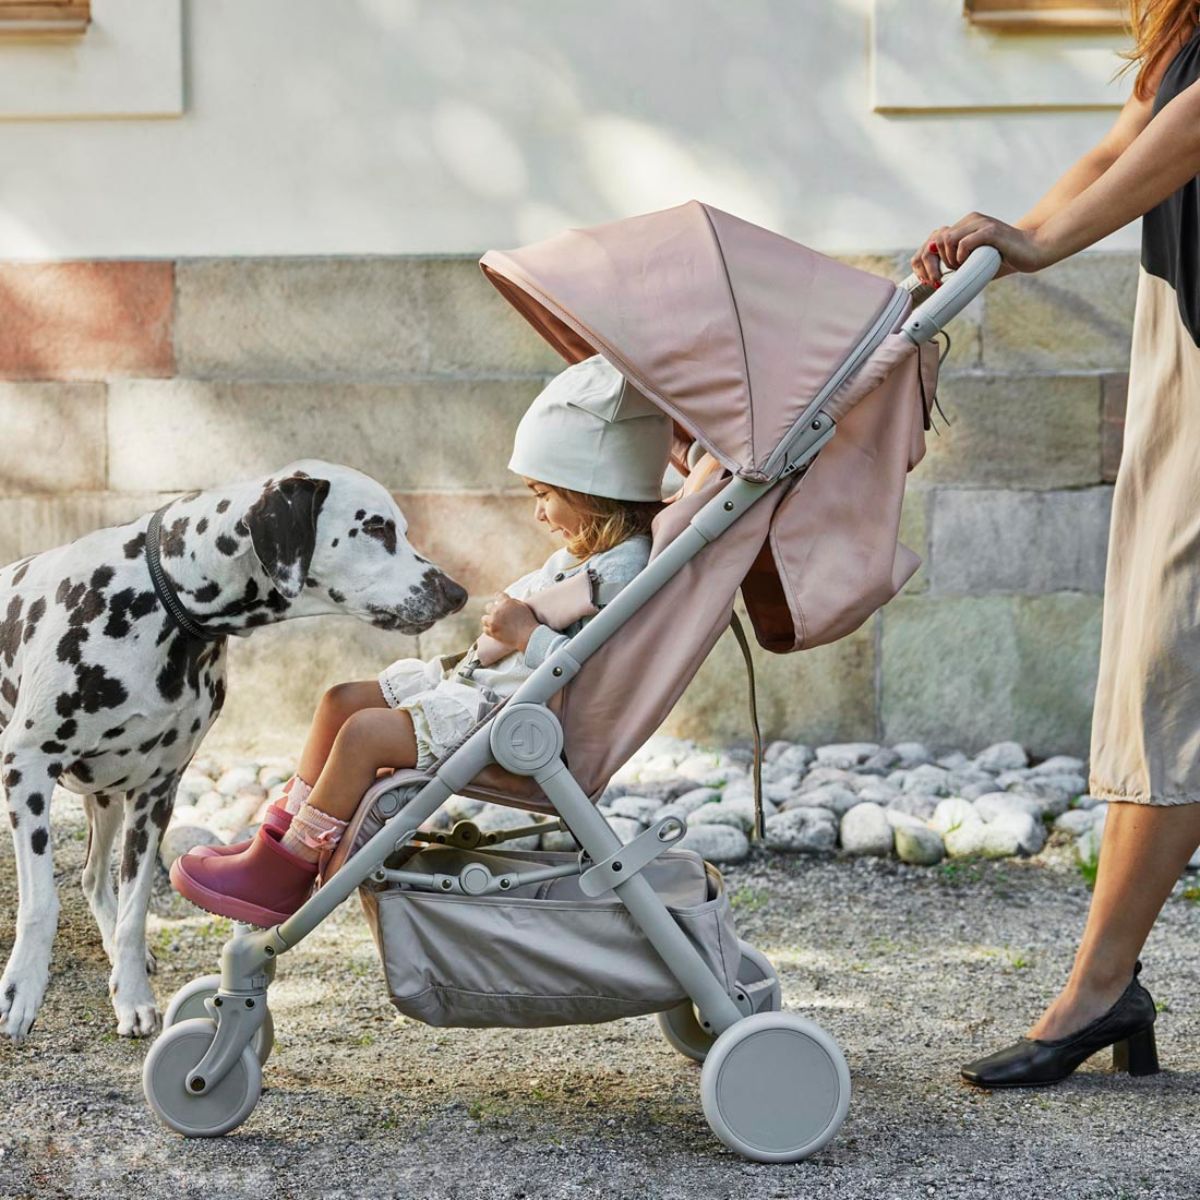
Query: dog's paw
[[20, 999], [133, 1001]]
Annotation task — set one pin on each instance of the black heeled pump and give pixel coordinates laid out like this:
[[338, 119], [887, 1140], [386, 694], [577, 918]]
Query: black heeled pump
[[1128, 1027]]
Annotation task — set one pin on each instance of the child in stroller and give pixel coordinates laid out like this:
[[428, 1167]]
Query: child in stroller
[[594, 452]]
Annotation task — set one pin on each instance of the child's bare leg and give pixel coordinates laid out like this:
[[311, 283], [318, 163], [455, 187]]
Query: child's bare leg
[[337, 706], [367, 740]]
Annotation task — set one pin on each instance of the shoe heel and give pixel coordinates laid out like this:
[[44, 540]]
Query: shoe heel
[[1137, 1054]]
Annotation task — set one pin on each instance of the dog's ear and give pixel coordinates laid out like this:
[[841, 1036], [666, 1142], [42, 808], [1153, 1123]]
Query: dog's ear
[[283, 529]]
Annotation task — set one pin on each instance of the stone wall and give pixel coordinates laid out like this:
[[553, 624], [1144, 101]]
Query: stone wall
[[125, 382]]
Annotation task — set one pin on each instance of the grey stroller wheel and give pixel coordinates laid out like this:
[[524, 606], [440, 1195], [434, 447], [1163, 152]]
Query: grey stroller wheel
[[189, 1003], [164, 1080], [681, 1025], [775, 1087]]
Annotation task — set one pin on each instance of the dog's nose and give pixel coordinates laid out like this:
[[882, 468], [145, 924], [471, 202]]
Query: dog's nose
[[456, 596]]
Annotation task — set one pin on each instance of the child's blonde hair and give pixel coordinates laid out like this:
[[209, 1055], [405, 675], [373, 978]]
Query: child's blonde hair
[[606, 522]]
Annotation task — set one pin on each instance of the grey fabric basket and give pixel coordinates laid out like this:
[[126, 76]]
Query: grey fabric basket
[[544, 954]]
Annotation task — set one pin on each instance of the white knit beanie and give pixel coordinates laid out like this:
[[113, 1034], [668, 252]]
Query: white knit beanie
[[592, 431]]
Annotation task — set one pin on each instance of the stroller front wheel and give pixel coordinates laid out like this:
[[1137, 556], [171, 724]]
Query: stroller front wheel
[[775, 1087], [164, 1079], [681, 1025], [189, 1002]]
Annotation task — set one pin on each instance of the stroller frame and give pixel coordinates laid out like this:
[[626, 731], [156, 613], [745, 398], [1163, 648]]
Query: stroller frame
[[524, 736]]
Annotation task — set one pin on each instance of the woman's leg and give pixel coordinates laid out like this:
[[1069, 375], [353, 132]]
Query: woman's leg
[[336, 707], [1144, 849]]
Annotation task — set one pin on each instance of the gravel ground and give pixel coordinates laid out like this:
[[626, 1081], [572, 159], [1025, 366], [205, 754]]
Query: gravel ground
[[912, 969]]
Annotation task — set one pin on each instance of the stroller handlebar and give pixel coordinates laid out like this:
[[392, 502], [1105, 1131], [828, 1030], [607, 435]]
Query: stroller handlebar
[[939, 307]]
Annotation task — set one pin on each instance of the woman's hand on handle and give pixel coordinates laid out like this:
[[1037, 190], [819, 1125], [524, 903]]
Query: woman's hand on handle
[[948, 246]]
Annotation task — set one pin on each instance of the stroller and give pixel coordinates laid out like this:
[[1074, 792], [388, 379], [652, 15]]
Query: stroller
[[759, 350]]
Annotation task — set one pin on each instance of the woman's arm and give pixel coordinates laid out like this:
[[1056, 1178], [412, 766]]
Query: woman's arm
[[1163, 157]]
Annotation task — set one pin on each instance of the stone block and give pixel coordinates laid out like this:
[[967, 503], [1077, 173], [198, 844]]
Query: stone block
[[969, 671], [815, 696], [1113, 395], [1075, 315], [53, 439], [914, 533], [430, 434], [357, 318], [86, 320], [31, 524], [987, 540], [1027, 431]]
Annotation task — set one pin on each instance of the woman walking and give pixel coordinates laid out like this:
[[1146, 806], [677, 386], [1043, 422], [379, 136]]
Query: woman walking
[[1145, 750]]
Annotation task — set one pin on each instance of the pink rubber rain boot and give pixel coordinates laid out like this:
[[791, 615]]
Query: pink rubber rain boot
[[278, 816], [262, 885]]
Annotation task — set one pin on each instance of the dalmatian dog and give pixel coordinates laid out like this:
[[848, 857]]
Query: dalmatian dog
[[113, 668]]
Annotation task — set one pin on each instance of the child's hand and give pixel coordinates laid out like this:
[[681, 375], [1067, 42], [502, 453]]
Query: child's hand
[[509, 621]]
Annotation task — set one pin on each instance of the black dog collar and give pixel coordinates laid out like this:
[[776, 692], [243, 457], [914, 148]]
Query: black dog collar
[[183, 620]]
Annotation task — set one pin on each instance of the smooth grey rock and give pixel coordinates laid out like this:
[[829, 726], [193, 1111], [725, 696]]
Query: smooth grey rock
[[192, 785], [952, 813], [929, 779], [210, 803], [636, 808], [913, 754], [690, 801], [972, 791], [183, 839], [1002, 756], [878, 792], [717, 843], [865, 830], [802, 831], [1027, 830], [897, 817], [662, 790], [623, 827], [235, 779], [1053, 797], [739, 816], [775, 749], [1088, 801], [1059, 764], [969, 776], [268, 777], [1014, 778], [1087, 844], [820, 776], [832, 796], [559, 839], [956, 760], [885, 759], [918, 844], [988, 807], [916, 804], [845, 754], [704, 766], [797, 757], [1075, 821], [463, 808]]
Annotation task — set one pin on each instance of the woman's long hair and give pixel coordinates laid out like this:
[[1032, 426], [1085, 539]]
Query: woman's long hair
[[1158, 28], [606, 523]]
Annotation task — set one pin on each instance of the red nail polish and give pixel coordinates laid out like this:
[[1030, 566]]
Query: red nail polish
[[933, 247]]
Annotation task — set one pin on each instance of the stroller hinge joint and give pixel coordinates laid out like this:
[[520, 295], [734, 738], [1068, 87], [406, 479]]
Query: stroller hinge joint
[[632, 857]]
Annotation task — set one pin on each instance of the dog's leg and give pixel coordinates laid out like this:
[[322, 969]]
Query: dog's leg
[[104, 819], [27, 787], [147, 811]]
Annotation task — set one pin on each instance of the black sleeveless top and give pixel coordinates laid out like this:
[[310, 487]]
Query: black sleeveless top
[[1171, 230]]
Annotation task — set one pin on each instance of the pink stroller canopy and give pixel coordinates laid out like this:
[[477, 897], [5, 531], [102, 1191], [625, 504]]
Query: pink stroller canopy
[[731, 329]]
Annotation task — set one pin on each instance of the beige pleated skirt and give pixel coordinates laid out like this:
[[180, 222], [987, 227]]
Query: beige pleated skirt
[[1146, 721]]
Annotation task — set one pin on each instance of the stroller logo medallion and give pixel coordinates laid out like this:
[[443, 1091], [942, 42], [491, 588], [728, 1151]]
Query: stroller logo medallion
[[525, 737]]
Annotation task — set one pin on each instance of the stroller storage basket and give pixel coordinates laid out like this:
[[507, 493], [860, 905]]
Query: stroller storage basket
[[543, 954]]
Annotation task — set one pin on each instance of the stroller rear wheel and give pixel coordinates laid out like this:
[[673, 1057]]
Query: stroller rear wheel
[[681, 1026], [775, 1087], [188, 1003], [214, 1112]]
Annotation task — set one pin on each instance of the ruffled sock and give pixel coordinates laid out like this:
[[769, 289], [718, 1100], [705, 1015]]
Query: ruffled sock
[[313, 834], [295, 793]]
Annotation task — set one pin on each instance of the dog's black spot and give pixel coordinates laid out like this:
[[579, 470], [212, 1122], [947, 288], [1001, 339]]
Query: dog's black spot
[[52, 747], [114, 732], [70, 645], [222, 505], [102, 577], [12, 818], [66, 704], [334, 542], [80, 770], [311, 582], [336, 596], [160, 814], [29, 723], [135, 546], [382, 530], [10, 992], [54, 770], [135, 849], [189, 497], [37, 841], [19, 573], [352, 533], [207, 592], [173, 538], [196, 725], [149, 744], [202, 525], [35, 803], [362, 512], [218, 698], [10, 779], [68, 594], [98, 689], [168, 738], [122, 753], [11, 629], [241, 528], [226, 544], [8, 693], [37, 610], [117, 625], [65, 730]]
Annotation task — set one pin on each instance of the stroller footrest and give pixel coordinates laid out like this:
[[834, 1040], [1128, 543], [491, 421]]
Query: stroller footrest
[[632, 857]]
